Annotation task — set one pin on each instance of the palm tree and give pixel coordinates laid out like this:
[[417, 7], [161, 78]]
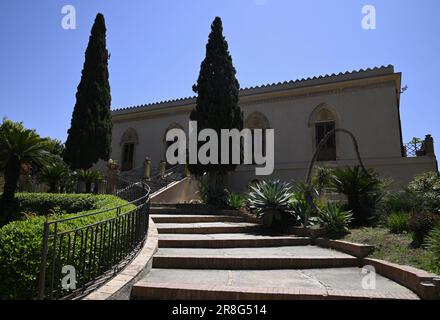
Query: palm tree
[[55, 175], [88, 176], [18, 146]]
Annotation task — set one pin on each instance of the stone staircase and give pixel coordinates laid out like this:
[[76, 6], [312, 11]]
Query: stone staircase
[[156, 182], [223, 256]]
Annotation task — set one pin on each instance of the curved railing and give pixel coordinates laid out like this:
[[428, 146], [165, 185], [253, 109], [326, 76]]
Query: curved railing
[[75, 259]]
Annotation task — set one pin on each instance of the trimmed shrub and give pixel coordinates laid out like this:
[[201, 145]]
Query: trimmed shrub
[[398, 222], [42, 203], [21, 247]]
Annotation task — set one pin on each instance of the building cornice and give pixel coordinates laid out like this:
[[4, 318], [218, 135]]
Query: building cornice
[[292, 89]]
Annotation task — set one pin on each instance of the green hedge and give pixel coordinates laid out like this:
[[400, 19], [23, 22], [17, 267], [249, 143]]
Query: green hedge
[[21, 243], [42, 203]]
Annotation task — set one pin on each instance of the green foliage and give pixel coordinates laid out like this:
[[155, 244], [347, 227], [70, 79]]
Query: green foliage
[[88, 176], [217, 92], [271, 202], [398, 222], [364, 192], [236, 201], [56, 175], [421, 224], [400, 202], [89, 137], [394, 248], [55, 147], [433, 244], [323, 178], [335, 220], [213, 195], [299, 204], [18, 147], [425, 191], [21, 247], [43, 203]]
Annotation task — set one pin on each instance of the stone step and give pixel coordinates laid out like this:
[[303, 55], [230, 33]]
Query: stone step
[[175, 218], [207, 228], [159, 210], [288, 257], [229, 240], [339, 283]]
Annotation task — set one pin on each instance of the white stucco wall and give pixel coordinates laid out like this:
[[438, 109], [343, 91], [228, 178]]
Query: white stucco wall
[[369, 111]]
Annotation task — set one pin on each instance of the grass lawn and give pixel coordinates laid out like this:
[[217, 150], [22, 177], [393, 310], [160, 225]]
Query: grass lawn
[[394, 248]]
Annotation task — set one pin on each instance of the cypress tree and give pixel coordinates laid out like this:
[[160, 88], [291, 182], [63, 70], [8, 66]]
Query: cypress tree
[[89, 137], [217, 90]]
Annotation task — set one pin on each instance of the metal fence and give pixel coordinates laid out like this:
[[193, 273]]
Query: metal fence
[[93, 247], [413, 149]]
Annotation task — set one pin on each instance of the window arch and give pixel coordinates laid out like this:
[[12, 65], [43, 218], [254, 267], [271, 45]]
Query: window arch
[[128, 143], [323, 120]]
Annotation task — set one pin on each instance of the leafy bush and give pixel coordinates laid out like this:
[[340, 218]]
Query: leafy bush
[[426, 189], [335, 221], [420, 224], [42, 203], [213, 195], [236, 201], [400, 202], [304, 212], [433, 244], [21, 247], [398, 222], [271, 202], [364, 192]]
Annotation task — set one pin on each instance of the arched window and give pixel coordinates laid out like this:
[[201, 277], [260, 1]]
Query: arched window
[[169, 143], [257, 120], [324, 120], [129, 141]]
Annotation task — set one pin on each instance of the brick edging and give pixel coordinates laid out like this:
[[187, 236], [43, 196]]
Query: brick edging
[[425, 284], [132, 272], [180, 291], [358, 250]]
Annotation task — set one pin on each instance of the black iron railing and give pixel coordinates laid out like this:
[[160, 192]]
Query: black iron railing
[[81, 251]]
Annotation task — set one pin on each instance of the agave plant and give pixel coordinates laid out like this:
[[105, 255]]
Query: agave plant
[[334, 220], [271, 202]]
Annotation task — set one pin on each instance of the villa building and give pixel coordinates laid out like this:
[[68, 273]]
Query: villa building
[[365, 102]]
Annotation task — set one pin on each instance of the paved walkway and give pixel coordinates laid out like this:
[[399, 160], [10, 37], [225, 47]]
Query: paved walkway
[[223, 257]]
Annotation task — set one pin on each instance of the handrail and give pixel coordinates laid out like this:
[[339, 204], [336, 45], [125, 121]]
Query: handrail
[[98, 247]]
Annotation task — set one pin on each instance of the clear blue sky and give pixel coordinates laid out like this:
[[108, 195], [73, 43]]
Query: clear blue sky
[[157, 45]]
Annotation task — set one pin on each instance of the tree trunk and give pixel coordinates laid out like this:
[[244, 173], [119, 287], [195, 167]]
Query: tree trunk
[[12, 174], [88, 187]]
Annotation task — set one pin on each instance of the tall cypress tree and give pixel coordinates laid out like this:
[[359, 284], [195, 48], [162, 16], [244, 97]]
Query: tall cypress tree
[[89, 137], [217, 92]]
